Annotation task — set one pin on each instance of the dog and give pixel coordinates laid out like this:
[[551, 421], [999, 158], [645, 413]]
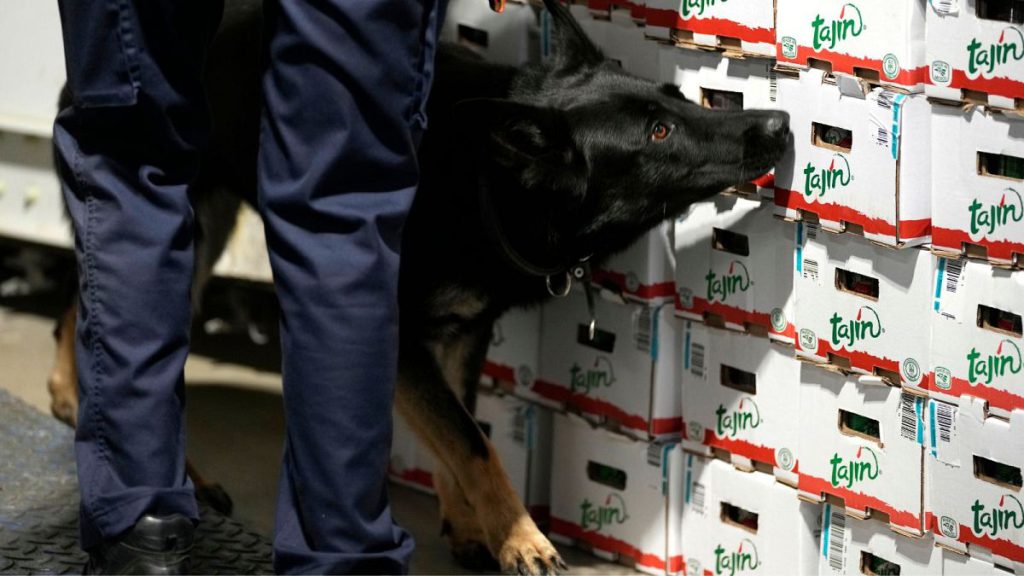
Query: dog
[[529, 176]]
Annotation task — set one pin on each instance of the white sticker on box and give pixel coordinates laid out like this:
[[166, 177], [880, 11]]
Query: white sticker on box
[[942, 422], [834, 543], [910, 417], [950, 280], [643, 320]]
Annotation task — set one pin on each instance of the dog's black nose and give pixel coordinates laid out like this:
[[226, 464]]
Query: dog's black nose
[[775, 124]]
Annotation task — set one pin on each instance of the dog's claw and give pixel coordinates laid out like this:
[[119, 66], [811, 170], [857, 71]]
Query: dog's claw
[[560, 564], [521, 568]]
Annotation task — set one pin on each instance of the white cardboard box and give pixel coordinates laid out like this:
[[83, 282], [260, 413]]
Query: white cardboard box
[[739, 395], [976, 335], [513, 357], [973, 478], [862, 442], [522, 436], [852, 547], [731, 254], [966, 52], [716, 24], [973, 209], [616, 495], [863, 307], [860, 158], [704, 76], [644, 272], [745, 523], [628, 376], [502, 38], [876, 39]]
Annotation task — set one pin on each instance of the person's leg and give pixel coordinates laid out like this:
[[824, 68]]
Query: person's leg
[[343, 113], [127, 148]]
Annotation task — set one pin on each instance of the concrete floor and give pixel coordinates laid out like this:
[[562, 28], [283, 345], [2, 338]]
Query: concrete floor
[[236, 425]]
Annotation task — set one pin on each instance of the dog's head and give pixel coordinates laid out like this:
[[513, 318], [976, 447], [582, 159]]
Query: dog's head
[[609, 155]]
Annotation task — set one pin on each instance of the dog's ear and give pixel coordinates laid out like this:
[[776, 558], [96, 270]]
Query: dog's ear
[[534, 142], [572, 47]]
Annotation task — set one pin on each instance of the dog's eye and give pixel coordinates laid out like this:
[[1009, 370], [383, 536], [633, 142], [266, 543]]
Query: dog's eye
[[660, 131]]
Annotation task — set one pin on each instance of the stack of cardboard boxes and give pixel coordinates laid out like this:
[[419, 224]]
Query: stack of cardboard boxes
[[805, 374]]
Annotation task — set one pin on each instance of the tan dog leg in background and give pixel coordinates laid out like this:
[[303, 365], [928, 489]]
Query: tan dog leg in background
[[63, 382]]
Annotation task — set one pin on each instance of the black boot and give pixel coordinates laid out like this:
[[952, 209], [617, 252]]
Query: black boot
[[158, 545]]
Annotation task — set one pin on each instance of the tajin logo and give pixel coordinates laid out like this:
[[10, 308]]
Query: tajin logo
[[819, 181], [747, 416], [737, 279], [1006, 360], [696, 7], [986, 219], [863, 467], [827, 34], [744, 558], [601, 374], [596, 517], [983, 60], [1008, 515], [849, 332]]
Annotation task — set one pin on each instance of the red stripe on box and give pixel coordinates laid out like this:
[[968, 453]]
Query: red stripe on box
[[607, 543], [604, 408], [550, 390], [859, 360], [844, 63], [733, 315], [859, 501], [1000, 547], [995, 397], [499, 371], [766, 181], [951, 239], [617, 281], [908, 229], [415, 476], [999, 86], [741, 447], [668, 18]]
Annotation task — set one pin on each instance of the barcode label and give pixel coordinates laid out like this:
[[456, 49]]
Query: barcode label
[[837, 540], [908, 417], [519, 425], [945, 420], [810, 269], [697, 359], [654, 454], [954, 270], [882, 137], [697, 500], [812, 231], [773, 83], [885, 99], [946, 6], [944, 441], [642, 321]]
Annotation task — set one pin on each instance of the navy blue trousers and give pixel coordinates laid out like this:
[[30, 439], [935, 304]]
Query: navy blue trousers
[[344, 99]]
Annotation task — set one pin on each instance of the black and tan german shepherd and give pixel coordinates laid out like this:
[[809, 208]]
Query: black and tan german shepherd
[[527, 174]]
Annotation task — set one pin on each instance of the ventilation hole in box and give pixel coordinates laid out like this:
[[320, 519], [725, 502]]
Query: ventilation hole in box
[[831, 137], [877, 566], [606, 475], [602, 340], [731, 242], [997, 472], [1001, 165], [1002, 10], [853, 424], [859, 284], [473, 37], [721, 99], [997, 320], [737, 379], [739, 517], [867, 74], [822, 65]]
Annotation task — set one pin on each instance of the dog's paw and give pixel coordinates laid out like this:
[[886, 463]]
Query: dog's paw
[[63, 400], [475, 556], [527, 551]]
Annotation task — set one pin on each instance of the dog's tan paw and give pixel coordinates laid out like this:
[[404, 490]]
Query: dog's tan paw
[[527, 551], [63, 399]]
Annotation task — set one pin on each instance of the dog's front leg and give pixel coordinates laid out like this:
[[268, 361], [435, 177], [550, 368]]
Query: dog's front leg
[[430, 406], [63, 381]]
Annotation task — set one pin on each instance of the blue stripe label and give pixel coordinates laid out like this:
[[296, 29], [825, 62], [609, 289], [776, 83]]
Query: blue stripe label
[[938, 282], [896, 110], [931, 426], [686, 348], [689, 471], [825, 528], [800, 247]]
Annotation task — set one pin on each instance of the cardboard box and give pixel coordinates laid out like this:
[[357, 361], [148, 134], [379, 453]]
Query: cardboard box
[[851, 546], [974, 502], [627, 376], [616, 496], [731, 255], [859, 158], [411, 463], [522, 436], [978, 184], [740, 27], [879, 40], [862, 442], [502, 38], [976, 335], [973, 46], [745, 522], [863, 307], [513, 358], [738, 394], [714, 80], [644, 272]]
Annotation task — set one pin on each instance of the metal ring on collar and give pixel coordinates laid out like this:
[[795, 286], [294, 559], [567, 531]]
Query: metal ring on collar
[[563, 293]]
